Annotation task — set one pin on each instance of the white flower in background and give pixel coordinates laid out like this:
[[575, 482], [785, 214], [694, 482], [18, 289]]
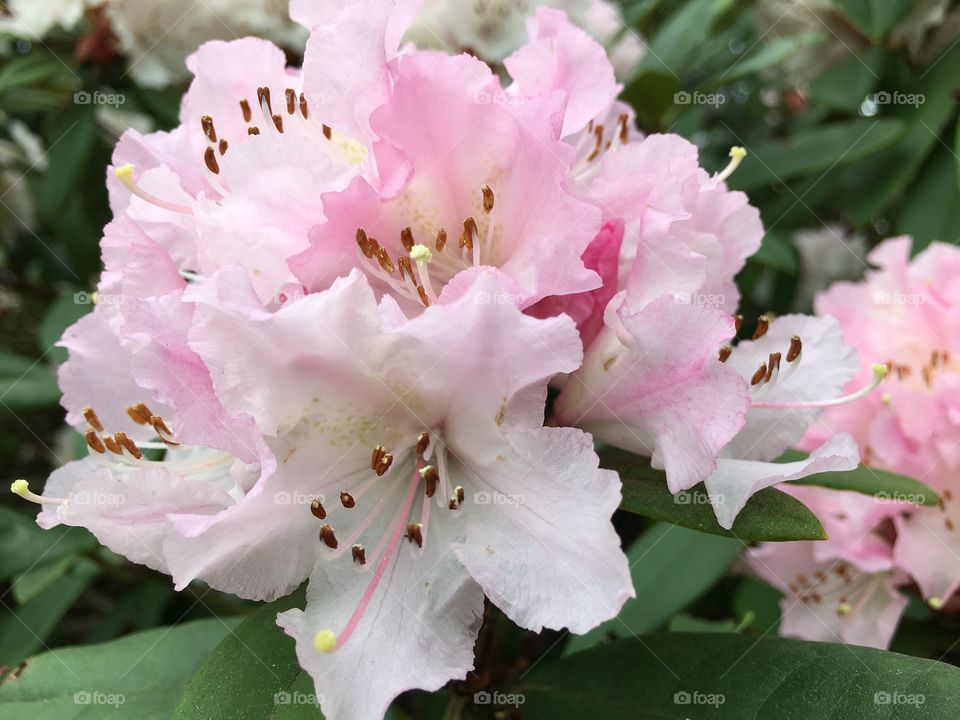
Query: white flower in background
[[493, 29], [827, 255], [156, 37]]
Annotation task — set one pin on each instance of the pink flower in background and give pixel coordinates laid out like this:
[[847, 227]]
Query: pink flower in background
[[907, 313]]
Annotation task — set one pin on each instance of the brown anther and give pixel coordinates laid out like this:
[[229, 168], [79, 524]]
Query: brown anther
[[210, 158], [763, 324], [947, 495], [112, 445], [91, 417], [423, 442], [725, 353], [291, 101], [328, 536], [327, 132], [383, 257], [598, 132], [466, 237], [424, 298], [948, 523], [795, 347], [430, 478], [487, 194], [206, 122], [378, 452], [359, 554], [223, 147], [263, 97], [415, 533], [385, 462], [458, 491], [364, 243], [318, 510], [245, 111], [127, 444], [406, 238], [737, 322], [453, 504], [278, 123], [163, 431], [253, 130], [346, 499], [441, 240], [773, 363], [623, 121], [304, 108], [759, 374], [405, 268], [94, 442]]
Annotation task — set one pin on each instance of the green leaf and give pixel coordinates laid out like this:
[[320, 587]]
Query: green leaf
[[23, 630], [671, 566], [25, 545], [956, 147], [874, 18], [71, 145], [682, 34], [814, 150], [777, 252], [931, 206], [27, 585], [847, 84], [139, 676], [654, 95], [25, 384], [768, 54], [62, 313], [759, 601], [721, 676], [770, 515], [866, 480], [242, 677], [689, 624]]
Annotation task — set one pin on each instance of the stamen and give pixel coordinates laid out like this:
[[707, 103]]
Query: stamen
[[725, 353], [210, 158], [139, 413], [415, 534], [206, 122], [466, 237], [94, 442], [759, 374], [441, 240], [328, 536], [165, 434], [796, 347], [378, 452], [424, 298], [278, 123], [22, 488], [304, 109], [622, 121], [316, 507], [291, 101], [253, 130], [430, 478], [421, 255], [405, 268], [423, 441], [737, 322], [124, 174], [363, 243], [385, 462], [223, 147], [406, 238], [91, 417], [327, 132], [112, 445], [487, 198], [453, 504], [383, 257], [127, 444], [359, 554], [879, 373], [458, 491], [346, 499], [773, 365], [245, 111], [598, 133], [763, 324], [737, 154]]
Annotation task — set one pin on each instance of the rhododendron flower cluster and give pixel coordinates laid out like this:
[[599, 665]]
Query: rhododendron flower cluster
[[905, 312], [333, 299]]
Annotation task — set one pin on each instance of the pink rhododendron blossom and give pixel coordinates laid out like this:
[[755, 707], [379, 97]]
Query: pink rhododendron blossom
[[906, 313]]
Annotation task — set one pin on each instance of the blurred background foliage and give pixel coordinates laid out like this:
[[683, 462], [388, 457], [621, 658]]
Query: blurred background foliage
[[849, 114]]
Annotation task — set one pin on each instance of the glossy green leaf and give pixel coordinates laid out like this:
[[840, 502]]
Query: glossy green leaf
[[874, 18], [682, 34], [25, 545], [671, 566], [253, 674], [770, 515], [62, 313], [814, 150], [724, 676], [139, 676], [866, 480], [25, 384]]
